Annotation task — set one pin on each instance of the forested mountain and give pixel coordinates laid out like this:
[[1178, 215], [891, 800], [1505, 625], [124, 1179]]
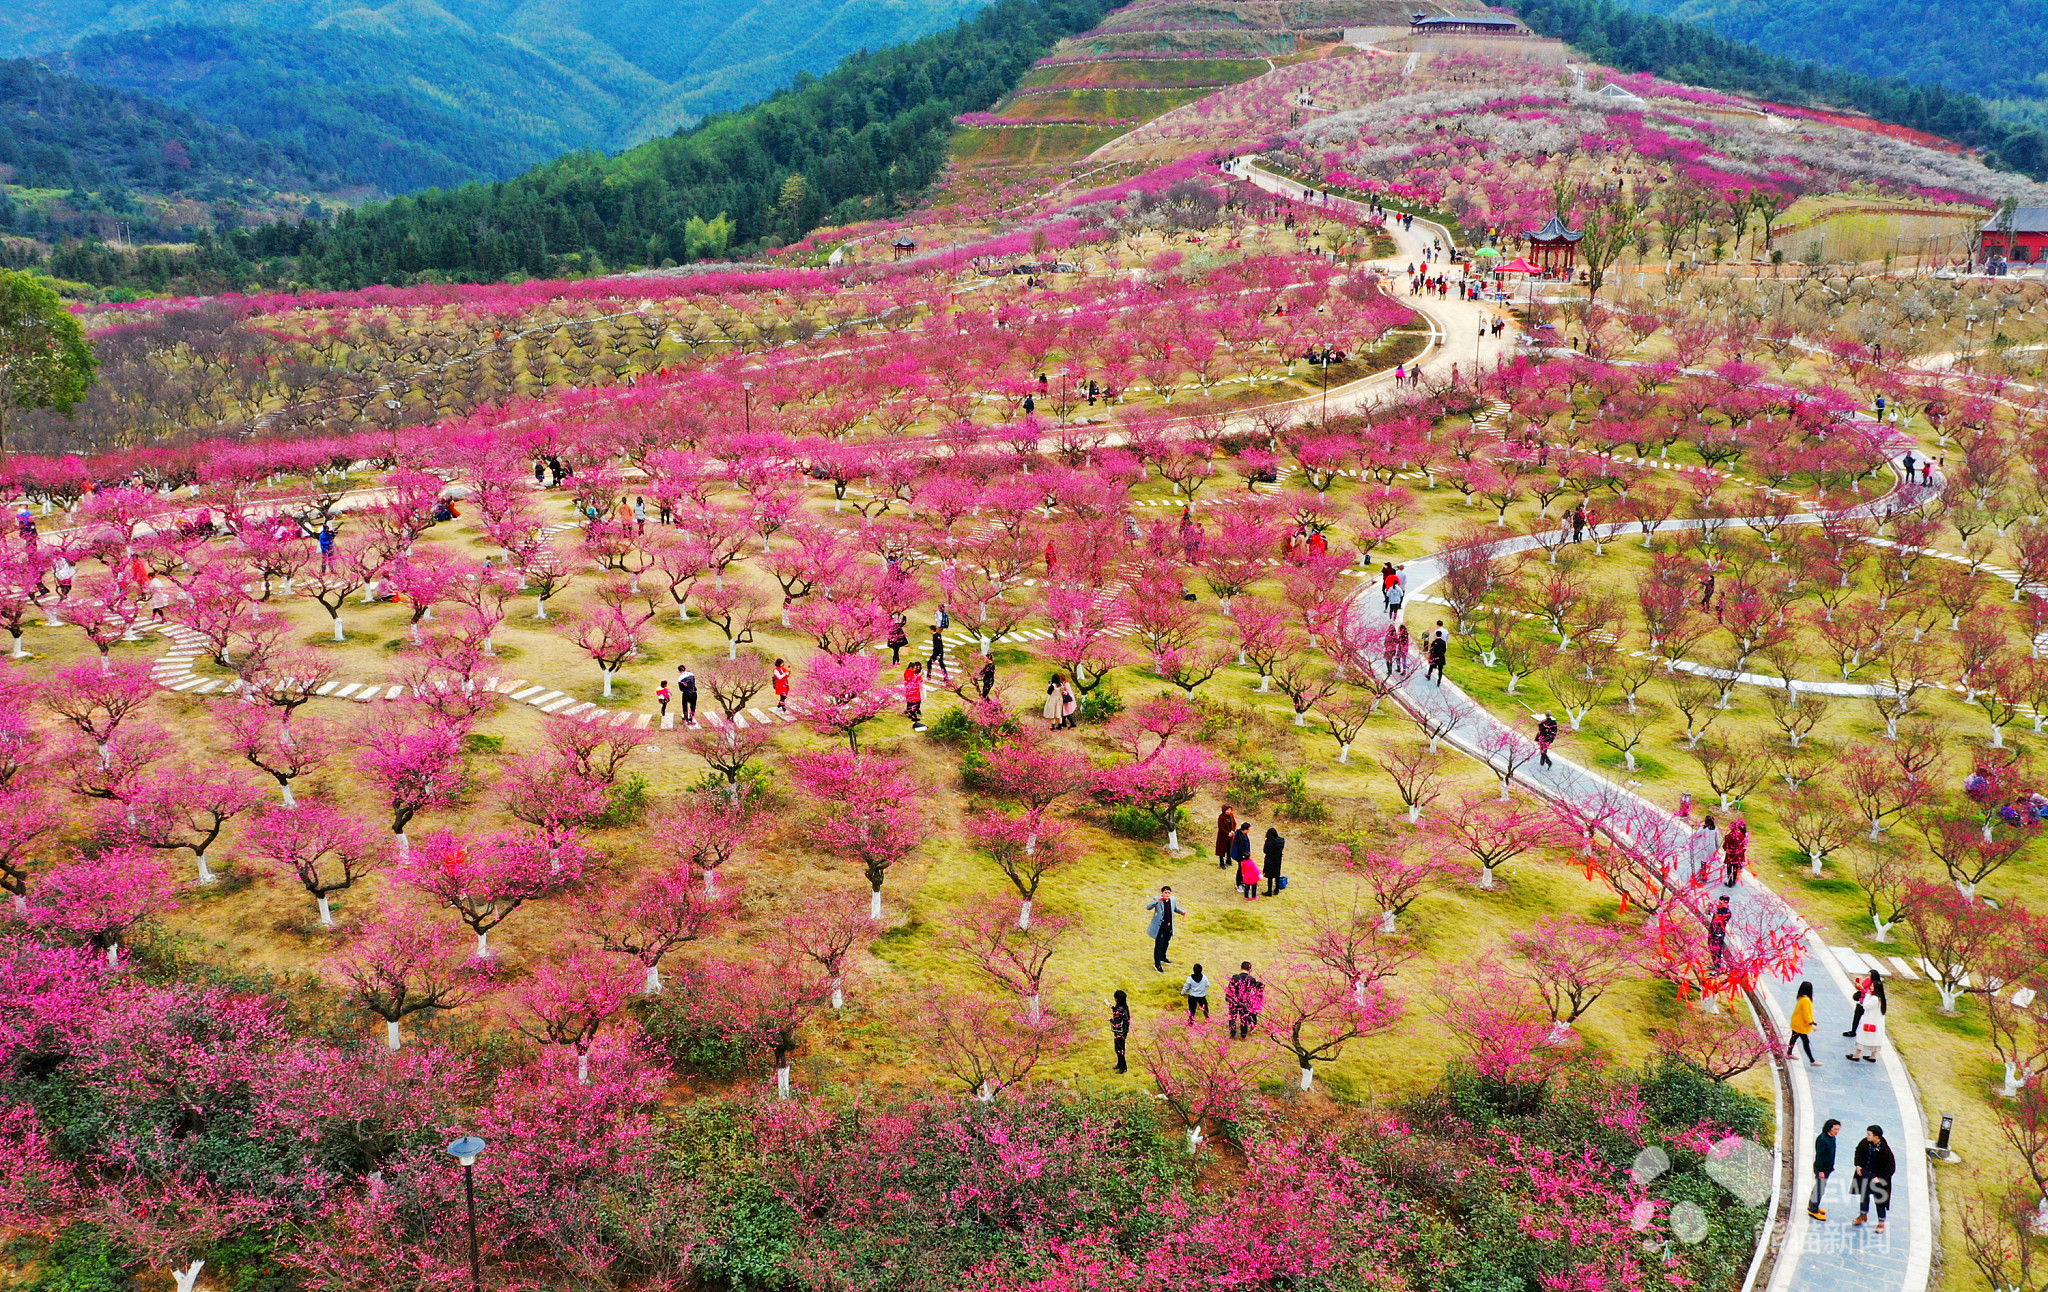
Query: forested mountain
[[1990, 48], [413, 95], [84, 159], [1639, 42], [850, 144]]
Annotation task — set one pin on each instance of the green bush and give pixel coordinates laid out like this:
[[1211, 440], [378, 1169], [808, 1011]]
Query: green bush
[[974, 771], [476, 742], [755, 781], [691, 1044], [83, 1259], [625, 802], [1100, 705], [1137, 823]]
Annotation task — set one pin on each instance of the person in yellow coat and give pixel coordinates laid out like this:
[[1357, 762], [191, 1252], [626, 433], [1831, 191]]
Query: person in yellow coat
[[1802, 1024]]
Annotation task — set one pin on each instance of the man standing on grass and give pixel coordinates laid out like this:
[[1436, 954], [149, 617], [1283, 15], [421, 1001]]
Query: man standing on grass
[[1163, 907]]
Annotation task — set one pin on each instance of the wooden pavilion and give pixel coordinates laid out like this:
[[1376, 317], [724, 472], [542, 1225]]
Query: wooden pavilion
[[1554, 248]]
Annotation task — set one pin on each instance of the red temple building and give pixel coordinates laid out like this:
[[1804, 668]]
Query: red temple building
[[2028, 243]]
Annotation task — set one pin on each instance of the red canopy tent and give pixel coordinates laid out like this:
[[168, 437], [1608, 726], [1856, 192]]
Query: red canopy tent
[[1519, 265]]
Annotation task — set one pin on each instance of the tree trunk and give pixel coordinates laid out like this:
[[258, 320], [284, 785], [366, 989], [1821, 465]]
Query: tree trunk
[[391, 1041], [404, 845], [339, 634], [1024, 915], [483, 945], [1486, 877], [838, 993], [206, 876], [607, 673], [1173, 841], [187, 1277], [1308, 1075], [782, 1081], [326, 912], [710, 883], [875, 904], [652, 985], [582, 1068]]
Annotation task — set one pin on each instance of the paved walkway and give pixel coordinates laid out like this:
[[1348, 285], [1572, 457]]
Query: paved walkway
[[1813, 1256]]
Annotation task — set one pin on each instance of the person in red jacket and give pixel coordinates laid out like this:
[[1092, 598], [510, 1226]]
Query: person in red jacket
[[913, 694], [781, 680]]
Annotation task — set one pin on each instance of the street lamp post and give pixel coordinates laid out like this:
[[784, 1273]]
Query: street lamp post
[[747, 414], [466, 1151]]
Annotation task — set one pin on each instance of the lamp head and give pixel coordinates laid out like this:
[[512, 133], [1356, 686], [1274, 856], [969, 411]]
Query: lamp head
[[466, 1150]]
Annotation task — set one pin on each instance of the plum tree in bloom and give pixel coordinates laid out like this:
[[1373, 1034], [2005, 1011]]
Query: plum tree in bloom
[[1161, 784], [1023, 850], [1506, 1034], [415, 766], [865, 810], [264, 742], [185, 807], [610, 633], [651, 917], [825, 928], [843, 694], [1396, 878], [1494, 833], [1010, 955], [568, 1000], [1571, 962], [709, 829], [1312, 1013], [763, 1002], [355, 562], [322, 848], [987, 1045], [1348, 940], [556, 800], [97, 702], [99, 900], [484, 879], [26, 815], [1203, 1075], [727, 748], [403, 964], [1720, 1045], [175, 1223]]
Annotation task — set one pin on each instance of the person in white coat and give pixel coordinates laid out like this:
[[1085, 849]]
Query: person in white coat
[[1870, 1034]]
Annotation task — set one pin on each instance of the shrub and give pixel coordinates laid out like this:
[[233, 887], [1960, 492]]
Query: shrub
[[83, 1259], [755, 780], [625, 802], [691, 1045], [974, 771], [1100, 705], [1137, 823]]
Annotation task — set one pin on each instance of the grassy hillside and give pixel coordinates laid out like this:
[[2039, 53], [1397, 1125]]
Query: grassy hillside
[[1991, 48], [414, 95]]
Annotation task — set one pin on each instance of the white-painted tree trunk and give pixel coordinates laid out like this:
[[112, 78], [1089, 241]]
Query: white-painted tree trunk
[[1194, 1139], [483, 946], [1486, 877], [710, 883], [782, 1082], [114, 955], [1414, 813], [582, 1069], [839, 993], [1024, 914], [2012, 1083], [289, 801], [1173, 841], [986, 1094], [326, 911], [391, 1040], [340, 634], [875, 904], [607, 681], [188, 1277], [404, 845], [652, 983], [1265, 681], [1308, 1076], [206, 875]]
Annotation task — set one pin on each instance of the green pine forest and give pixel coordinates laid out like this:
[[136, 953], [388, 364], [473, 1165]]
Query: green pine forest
[[1990, 48], [860, 141], [864, 140]]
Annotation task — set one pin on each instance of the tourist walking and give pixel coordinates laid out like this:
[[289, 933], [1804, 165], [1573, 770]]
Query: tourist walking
[[1869, 986], [899, 636], [937, 662], [1120, 1027], [1070, 704], [913, 695], [1226, 826], [1054, 711], [1875, 1167], [780, 678], [987, 679], [1734, 852], [1823, 1165], [1276, 847], [1870, 1034], [1706, 848], [1439, 652], [1243, 997], [661, 697], [1717, 932], [1163, 907], [1395, 596], [686, 693], [1801, 1024], [1546, 736], [1196, 989]]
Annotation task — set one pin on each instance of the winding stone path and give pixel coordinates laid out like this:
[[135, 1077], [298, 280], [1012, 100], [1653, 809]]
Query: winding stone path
[[1812, 1256]]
